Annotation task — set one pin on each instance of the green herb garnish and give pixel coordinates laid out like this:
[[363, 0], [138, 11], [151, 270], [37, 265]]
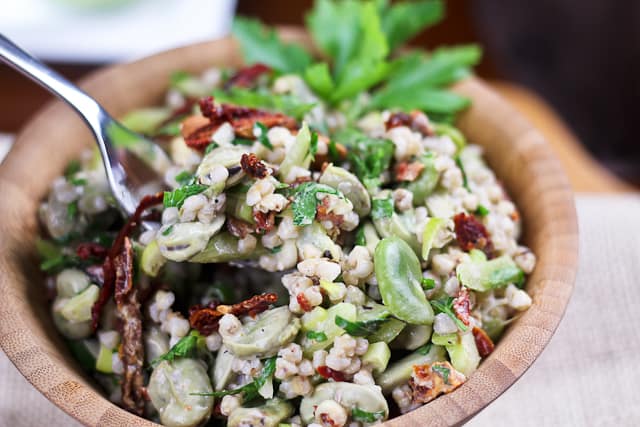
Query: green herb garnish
[[313, 147], [72, 210], [185, 347], [425, 349], [211, 147], [184, 178], [318, 336], [366, 417], [276, 249], [361, 240], [482, 211], [260, 130], [168, 230], [250, 390], [305, 201], [78, 182], [445, 305], [381, 208], [427, 283], [359, 328], [443, 372], [72, 168], [177, 197]]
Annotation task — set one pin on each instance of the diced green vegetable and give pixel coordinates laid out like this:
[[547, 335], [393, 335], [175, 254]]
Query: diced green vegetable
[[359, 328], [486, 275], [464, 354], [152, 260], [104, 360], [448, 339], [388, 331], [377, 356], [399, 372], [78, 308], [298, 154], [431, 229], [146, 120], [328, 326]]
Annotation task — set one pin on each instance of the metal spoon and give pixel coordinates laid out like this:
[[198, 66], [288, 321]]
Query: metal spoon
[[123, 180]]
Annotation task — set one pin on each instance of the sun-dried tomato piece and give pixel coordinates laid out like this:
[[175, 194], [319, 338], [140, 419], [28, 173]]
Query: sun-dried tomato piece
[[416, 120], [201, 137], [398, 119], [462, 306], [429, 381], [191, 124], [243, 126], [483, 342], [265, 222], [132, 349], [329, 373], [205, 319], [324, 214], [472, 234], [408, 171], [88, 250], [247, 76], [239, 228], [108, 267], [253, 166], [303, 302]]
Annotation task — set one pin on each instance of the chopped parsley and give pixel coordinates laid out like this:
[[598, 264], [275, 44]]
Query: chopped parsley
[[381, 208], [186, 347], [442, 371], [276, 249], [242, 141], [361, 240], [211, 147], [313, 147], [177, 197], [445, 305], [427, 283], [318, 336], [72, 210], [250, 390], [78, 182], [184, 178], [72, 168], [305, 201], [360, 328], [465, 182], [168, 230], [424, 350], [366, 417], [260, 132], [482, 210]]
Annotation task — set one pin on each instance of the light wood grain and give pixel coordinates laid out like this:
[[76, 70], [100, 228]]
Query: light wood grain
[[516, 151]]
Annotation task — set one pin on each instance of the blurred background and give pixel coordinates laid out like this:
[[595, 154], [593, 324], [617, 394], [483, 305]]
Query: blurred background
[[581, 56]]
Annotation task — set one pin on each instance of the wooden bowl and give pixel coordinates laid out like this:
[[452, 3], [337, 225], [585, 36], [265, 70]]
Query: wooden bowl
[[517, 152]]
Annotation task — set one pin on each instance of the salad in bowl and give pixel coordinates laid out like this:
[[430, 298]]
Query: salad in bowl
[[325, 247]]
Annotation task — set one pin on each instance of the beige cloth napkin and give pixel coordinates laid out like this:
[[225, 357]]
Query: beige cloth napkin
[[589, 375]]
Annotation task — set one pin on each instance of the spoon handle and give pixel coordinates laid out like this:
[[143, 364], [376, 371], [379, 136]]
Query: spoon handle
[[98, 120]]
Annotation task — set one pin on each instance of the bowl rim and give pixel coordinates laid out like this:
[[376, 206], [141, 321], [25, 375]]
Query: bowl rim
[[446, 410]]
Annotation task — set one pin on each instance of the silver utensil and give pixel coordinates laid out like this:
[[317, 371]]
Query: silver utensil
[[123, 180]]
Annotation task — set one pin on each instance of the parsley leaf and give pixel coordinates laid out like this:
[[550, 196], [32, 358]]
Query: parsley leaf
[[186, 347], [425, 349], [250, 390], [276, 249], [427, 283], [184, 178], [465, 182], [381, 208], [313, 144], [168, 230], [78, 182], [72, 168], [318, 336], [445, 305], [305, 201], [442, 371], [359, 328], [211, 147], [366, 417], [259, 98], [361, 240], [369, 156], [259, 44], [403, 20], [72, 210], [260, 132], [482, 210], [177, 197]]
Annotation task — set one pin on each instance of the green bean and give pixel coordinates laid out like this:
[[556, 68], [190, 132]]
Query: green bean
[[171, 389], [349, 185], [269, 414], [398, 272]]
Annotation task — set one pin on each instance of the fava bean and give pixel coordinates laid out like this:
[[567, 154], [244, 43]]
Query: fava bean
[[350, 395], [223, 247], [179, 242], [171, 389], [349, 185], [398, 272], [268, 415]]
